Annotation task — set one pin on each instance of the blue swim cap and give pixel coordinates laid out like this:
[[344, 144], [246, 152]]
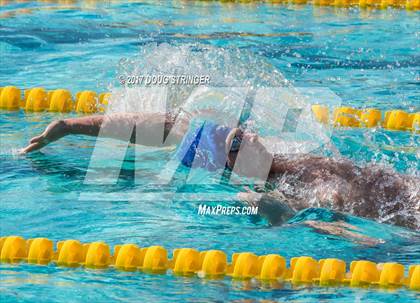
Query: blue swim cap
[[204, 147]]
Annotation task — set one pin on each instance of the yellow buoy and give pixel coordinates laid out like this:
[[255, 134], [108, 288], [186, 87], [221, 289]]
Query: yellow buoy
[[214, 262], [392, 274], [14, 249], [127, 257], [321, 113], [10, 98], [61, 101], [415, 122], [37, 100], [186, 261], [323, 2], [304, 270], [41, 251], [341, 3], [155, 259], [104, 99], [370, 117], [347, 116], [98, 255], [333, 271], [397, 120], [414, 277], [272, 267], [245, 265], [363, 273], [87, 102], [71, 253], [412, 5]]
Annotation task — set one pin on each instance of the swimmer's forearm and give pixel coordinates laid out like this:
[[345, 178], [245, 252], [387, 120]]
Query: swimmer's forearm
[[89, 126], [116, 126]]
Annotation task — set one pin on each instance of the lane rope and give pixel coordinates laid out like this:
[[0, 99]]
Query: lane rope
[[209, 264], [365, 4], [87, 102]]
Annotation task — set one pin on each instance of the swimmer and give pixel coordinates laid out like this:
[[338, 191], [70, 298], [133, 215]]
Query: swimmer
[[293, 184]]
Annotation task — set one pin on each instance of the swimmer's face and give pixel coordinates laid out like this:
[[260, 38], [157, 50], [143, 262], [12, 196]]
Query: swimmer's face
[[252, 159]]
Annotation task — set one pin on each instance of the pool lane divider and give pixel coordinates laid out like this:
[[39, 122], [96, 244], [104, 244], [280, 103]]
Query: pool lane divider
[[346, 116], [39, 99], [88, 102], [365, 4], [375, 4], [209, 264]]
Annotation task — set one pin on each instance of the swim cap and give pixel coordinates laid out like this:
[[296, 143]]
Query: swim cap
[[204, 147]]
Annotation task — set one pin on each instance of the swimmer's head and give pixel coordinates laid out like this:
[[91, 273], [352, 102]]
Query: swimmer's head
[[213, 146], [205, 147], [252, 159]]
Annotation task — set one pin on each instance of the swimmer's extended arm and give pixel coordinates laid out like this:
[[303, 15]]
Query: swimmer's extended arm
[[89, 126], [343, 230], [117, 125], [121, 126], [271, 206]]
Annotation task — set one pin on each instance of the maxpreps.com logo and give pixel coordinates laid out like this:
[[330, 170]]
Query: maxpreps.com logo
[[285, 112], [221, 210]]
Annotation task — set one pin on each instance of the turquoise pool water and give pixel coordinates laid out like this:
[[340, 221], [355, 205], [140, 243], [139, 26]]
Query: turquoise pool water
[[368, 58]]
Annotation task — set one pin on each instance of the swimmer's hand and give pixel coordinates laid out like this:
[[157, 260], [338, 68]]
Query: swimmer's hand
[[54, 131], [270, 205], [343, 230]]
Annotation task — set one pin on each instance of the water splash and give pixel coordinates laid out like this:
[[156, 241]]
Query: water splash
[[225, 67], [233, 73]]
